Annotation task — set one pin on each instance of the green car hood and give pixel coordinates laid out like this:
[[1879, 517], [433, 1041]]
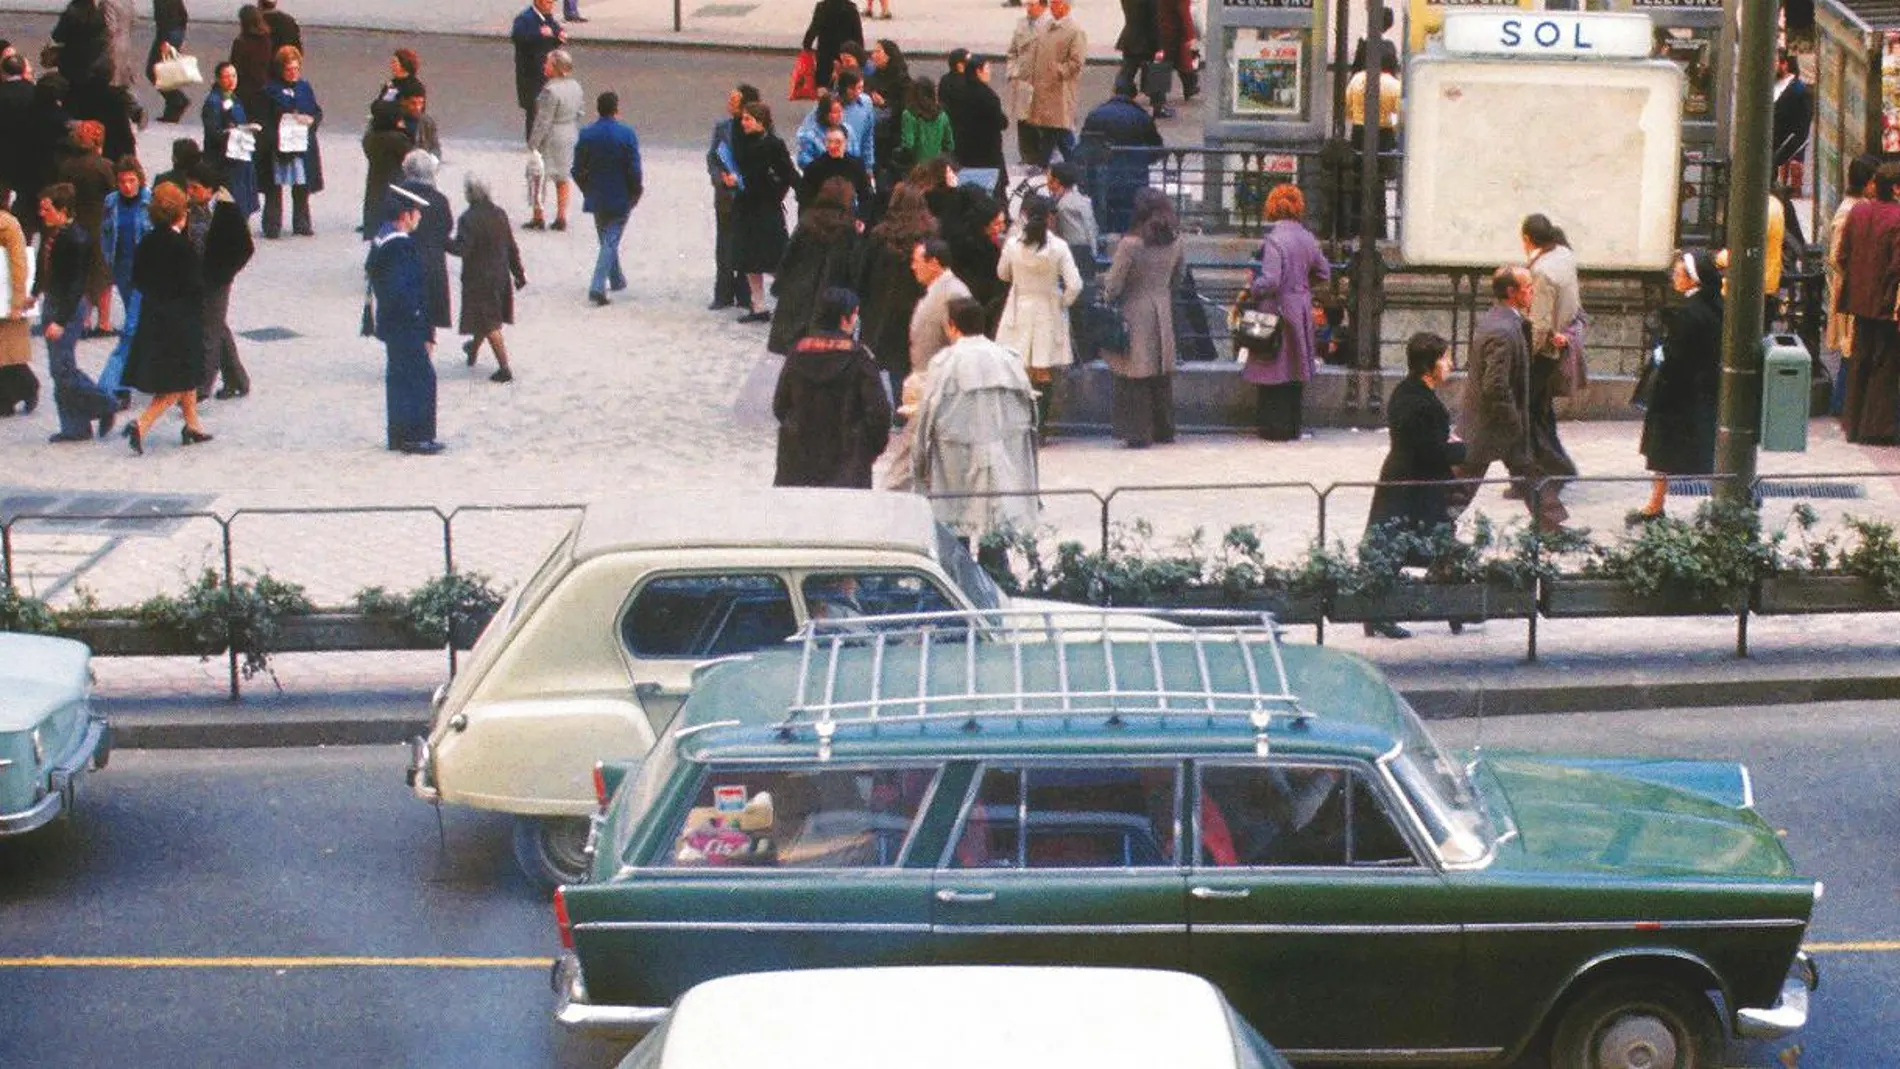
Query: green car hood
[[1664, 817]]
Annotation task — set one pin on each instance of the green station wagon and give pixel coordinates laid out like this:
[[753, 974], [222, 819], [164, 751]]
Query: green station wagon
[[49, 733], [988, 788]]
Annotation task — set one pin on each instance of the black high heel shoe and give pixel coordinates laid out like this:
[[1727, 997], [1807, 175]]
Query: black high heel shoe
[[136, 438], [190, 437]]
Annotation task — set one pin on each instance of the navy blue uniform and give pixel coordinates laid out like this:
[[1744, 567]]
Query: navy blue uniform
[[402, 322]]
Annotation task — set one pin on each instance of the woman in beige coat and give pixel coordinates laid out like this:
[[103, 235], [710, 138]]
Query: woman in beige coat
[[557, 126], [1142, 280], [1043, 283], [19, 387]]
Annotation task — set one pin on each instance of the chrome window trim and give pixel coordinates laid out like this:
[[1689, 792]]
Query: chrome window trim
[[1326, 929], [1633, 924], [1430, 1055], [904, 928], [1395, 792], [1059, 929]]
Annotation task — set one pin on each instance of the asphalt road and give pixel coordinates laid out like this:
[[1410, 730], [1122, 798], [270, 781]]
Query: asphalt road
[[190, 909], [670, 96]]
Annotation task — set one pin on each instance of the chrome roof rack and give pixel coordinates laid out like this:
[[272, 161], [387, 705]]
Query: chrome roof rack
[[1077, 635]]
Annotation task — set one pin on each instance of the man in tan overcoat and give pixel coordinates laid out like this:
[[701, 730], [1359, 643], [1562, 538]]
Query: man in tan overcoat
[[1019, 61], [19, 387], [1055, 71]]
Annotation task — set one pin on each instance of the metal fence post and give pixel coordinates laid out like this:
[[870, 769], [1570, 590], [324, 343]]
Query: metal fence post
[[6, 554], [231, 654], [1319, 541], [448, 572]]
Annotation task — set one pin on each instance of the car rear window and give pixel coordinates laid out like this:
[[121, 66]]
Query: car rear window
[[703, 616], [801, 819]]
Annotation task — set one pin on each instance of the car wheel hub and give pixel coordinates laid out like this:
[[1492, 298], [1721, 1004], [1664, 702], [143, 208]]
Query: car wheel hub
[[565, 841], [1637, 1042]]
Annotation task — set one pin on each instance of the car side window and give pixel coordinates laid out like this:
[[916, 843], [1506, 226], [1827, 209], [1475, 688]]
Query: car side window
[[1086, 816], [843, 595], [801, 819], [703, 616], [1294, 816]]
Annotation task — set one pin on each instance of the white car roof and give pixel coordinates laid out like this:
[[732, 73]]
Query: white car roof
[[757, 518], [952, 1017], [38, 674]]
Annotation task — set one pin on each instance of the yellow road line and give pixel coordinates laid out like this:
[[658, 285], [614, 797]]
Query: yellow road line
[[307, 962], [1871, 946]]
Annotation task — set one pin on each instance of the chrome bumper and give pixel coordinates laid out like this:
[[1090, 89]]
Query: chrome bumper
[[1790, 1011], [573, 1011], [417, 777], [93, 751]]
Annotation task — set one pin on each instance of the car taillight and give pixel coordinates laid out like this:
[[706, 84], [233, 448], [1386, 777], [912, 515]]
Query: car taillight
[[560, 919], [600, 785]]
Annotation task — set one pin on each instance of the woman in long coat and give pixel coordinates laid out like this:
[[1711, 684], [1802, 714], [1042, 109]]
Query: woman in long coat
[[833, 23], [19, 387], [1291, 264], [222, 111], [92, 177], [1556, 304], [491, 273], [167, 359], [758, 208], [889, 290], [822, 253], [557, 127], [251, 56], [1142, 279], [1043, 282], [384, 146], [287, 99], [1679, 428], [1419, 446]]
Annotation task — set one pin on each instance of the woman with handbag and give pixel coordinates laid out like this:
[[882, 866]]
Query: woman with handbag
[[168, 38], [833, 23], [1147, 269], [1043, 282], [1291, 264]]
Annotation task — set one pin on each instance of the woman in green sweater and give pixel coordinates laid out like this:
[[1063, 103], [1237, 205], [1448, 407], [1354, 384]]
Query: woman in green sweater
[[925, 129]]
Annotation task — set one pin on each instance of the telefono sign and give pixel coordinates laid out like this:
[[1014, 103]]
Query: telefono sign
[[1553, 34]]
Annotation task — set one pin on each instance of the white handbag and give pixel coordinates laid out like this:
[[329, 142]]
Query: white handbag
[[176, 71]]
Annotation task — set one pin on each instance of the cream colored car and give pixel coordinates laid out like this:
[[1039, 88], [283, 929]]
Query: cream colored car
[[589, 657]]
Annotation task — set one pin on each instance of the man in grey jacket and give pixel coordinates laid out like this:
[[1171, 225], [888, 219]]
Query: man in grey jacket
[[1494, 417], [929, 262]]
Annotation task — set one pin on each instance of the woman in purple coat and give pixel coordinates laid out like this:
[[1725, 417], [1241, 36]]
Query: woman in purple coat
[[1291, 264]]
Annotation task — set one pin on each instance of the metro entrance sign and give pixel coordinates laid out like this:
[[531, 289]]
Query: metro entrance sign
[[1549, 34]]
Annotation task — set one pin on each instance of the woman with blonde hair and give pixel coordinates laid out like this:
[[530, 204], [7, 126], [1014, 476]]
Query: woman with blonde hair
[[289, 101], [557, 126], [1291, 264], [167, 359]]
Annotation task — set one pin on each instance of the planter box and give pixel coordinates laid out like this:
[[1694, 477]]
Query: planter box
[[1286, 608], [127, 638], [1437, 601], [324, 632], [1798, 594], [1583, 598]]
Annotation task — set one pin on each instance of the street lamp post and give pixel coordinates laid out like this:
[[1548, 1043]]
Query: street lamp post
[[1738, 428]]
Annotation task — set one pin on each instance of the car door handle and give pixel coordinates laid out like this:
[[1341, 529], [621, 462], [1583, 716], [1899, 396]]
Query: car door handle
[[1215, 892], [643, 691], [948, 895]]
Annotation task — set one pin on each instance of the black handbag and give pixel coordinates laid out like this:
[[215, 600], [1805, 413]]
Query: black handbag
[[1107, 330], [1157, 79], [1646, 378]]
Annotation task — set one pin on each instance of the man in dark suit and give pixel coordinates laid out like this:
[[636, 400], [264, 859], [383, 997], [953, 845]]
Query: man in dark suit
[[1494, 417], [536, 32], [1115, 178], [1139, 43], [19, 170], [1793, 120]]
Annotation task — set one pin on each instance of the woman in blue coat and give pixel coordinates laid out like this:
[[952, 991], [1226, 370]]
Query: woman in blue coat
[[1291, 264], [222, 112], [402, 322], [289, 99]]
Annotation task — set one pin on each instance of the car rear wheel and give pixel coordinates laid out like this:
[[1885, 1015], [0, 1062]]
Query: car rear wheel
[[552, 850], [1637, 1024]]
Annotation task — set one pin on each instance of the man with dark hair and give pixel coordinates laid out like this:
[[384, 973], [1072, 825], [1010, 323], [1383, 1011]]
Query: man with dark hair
[[1870, 414], [1116, 177], [61, 281], [722, 167], [1793, 121], [283, 28], [834, 417], [535, 33], [413, 101], [219, 232], [930, 264], [860, 118], [1359, 51], [976, 430], [607, 168], [1494, 418], [19, 167]]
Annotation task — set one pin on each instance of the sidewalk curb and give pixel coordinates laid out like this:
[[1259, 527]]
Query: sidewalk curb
[[376, 718]]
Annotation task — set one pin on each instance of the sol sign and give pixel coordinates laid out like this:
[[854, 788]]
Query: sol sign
[[1554, 34]]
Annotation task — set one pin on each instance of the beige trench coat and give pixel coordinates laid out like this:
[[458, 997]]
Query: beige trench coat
[[1043, 283], [1053, 73], [15, 333], [1018, 61]]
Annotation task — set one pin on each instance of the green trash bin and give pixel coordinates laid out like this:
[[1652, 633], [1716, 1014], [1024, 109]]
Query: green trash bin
[[1786, 371]]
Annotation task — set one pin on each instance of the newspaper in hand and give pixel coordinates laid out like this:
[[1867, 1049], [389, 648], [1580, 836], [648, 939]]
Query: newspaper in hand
[[240, 143], [293, 136]]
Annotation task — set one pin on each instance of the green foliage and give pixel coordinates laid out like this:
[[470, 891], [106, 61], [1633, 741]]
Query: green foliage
[[1875, 555], [465, 600], [210, 617], [26, 614], [1714, 558]]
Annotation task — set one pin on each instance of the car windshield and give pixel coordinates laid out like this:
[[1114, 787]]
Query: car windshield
[[964, 570], [1440, 794]]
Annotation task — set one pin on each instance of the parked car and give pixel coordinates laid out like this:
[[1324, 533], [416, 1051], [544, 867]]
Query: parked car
[[955, 1017], [49, 733], [1273, 818], [593, 653]]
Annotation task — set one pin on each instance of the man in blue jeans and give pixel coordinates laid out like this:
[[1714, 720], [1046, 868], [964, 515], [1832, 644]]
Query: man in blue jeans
[[62, 281], [607, 168]]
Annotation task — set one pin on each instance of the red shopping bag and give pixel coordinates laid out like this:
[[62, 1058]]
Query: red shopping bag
[[805, 75]]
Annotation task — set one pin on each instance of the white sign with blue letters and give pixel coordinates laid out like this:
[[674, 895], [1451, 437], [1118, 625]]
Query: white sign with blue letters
[[1549, 34]]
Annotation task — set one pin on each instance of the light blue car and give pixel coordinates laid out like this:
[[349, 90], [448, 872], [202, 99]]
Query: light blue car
[[49, 733]]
